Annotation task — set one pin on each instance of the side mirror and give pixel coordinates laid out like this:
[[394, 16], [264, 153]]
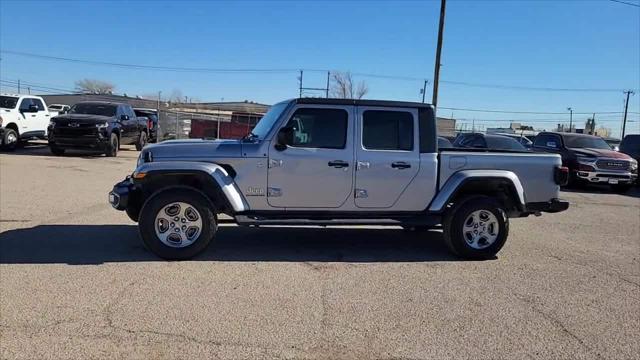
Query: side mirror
[[284, 138], [32, 108], [124, 117]]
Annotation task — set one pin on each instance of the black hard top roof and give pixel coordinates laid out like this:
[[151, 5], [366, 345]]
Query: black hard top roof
[[360, 102]]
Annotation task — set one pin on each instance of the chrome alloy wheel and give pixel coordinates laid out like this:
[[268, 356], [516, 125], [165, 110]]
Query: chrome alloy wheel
[[480, 229], [11, 138], [178, 224]]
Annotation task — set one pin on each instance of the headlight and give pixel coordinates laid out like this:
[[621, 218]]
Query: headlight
[[586, 158], [52, 124], [103, 125], [633, 165]]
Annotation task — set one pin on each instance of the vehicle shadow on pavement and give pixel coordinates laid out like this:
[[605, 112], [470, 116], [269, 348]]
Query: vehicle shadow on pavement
[[97, 244], [40, 149], [603, 189]]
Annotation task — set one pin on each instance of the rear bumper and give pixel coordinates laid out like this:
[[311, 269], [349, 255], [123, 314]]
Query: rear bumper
[[120, 194], [553, 206]]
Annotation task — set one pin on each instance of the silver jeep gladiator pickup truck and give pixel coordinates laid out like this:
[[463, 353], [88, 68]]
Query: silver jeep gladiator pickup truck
[[336, 162]]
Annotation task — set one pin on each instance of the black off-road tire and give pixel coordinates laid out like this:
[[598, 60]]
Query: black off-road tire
[[7, 143], [56, 150], [113, 146], [142, 140], [157, 202], [454, 222]]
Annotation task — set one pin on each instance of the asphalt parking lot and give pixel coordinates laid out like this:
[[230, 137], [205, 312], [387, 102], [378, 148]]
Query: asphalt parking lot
[[76, 282]]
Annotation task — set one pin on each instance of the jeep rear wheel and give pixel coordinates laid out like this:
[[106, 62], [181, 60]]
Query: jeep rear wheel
[[177, 223], [476, 228]]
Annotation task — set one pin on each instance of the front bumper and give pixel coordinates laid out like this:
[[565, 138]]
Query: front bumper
[[120, 194], [607, 177], [553, 206]]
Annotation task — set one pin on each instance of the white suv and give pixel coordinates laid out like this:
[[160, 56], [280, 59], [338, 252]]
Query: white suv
[[22, 117]]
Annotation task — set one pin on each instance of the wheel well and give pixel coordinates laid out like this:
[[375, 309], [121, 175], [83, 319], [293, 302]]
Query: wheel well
[[13, 126], [199, 181], [502, 190]]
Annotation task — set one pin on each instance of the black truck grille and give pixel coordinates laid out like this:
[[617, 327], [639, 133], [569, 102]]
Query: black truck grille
[[84, 130], [612, 164]]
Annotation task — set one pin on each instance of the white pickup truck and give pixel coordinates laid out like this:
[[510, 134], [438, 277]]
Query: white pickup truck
[[22, 117]]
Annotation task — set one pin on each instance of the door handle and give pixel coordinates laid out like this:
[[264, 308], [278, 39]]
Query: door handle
[[338, 164], [400, 165]]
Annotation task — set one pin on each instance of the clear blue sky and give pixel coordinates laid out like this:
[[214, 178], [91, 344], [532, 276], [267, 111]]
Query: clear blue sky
[[549, 44]]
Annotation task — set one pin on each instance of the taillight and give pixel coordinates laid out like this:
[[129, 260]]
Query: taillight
[[561, 175], [150, 124]]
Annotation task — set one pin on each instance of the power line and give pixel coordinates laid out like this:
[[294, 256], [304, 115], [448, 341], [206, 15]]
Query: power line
[[296, 70], [531, 112], [625, 3]]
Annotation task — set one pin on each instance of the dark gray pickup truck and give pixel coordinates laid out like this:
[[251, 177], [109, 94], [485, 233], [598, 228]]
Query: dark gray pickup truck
[[97, 125]]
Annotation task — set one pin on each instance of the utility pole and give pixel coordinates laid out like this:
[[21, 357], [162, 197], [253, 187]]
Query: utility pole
[[158, 107], [29, 90], [570, 118], [424, 91], [328, 76], [626, 107], [18, 86], [300, 81], [436, 71]]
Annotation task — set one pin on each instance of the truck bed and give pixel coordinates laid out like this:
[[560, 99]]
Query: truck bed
[[535, 170]]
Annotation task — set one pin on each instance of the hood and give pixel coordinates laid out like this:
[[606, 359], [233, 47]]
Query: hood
[[81, 118], [601, 153], [193, 149]]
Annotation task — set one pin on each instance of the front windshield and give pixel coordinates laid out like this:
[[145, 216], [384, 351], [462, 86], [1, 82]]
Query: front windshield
[[8, 102], [94, 109], [266, 123], [591, 142]]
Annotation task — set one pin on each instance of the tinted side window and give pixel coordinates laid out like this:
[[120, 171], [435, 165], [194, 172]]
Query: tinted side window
[[387, 130], [319, 128], [24, 105], [39, 104], [547, 141]]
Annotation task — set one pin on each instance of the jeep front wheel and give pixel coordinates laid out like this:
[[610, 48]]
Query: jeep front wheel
[[476, 228], [177, 224]]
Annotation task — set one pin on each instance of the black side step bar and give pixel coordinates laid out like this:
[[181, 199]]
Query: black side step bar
[[252, 220]]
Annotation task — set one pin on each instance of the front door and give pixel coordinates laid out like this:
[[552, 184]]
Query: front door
[[316, 169], [33, 122], [387, 155]]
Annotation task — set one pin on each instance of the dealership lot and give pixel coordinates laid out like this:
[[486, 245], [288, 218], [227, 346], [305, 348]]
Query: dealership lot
[[76, 282]]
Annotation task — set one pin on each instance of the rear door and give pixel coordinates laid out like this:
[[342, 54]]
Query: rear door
[[316, 170], [387, 155]]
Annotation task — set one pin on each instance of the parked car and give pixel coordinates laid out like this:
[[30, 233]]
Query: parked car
[[58, 109], [22, 117], [589, 159], [153, 123], [487, 141], [630, 145], [523, 140], [97, 125], [444, 143], [314, 162]]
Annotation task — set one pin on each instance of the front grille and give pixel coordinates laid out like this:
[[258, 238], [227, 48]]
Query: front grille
[[76, 131], [612, 164]]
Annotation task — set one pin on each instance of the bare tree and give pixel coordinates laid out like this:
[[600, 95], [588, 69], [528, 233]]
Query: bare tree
[[176, 96], [343, 86], [92, 86]]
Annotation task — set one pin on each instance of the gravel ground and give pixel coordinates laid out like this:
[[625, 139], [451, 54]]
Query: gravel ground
[[76, 282]]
